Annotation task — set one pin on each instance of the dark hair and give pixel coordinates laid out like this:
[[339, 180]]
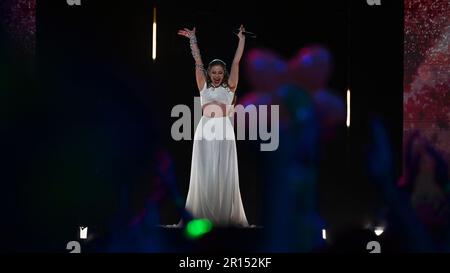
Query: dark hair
[[226, 75]]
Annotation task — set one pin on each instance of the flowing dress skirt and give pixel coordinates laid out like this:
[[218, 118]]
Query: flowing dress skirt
[[214, 183]]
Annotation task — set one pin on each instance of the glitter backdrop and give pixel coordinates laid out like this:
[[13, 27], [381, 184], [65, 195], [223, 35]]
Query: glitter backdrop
[[427, 70], [19, 21]]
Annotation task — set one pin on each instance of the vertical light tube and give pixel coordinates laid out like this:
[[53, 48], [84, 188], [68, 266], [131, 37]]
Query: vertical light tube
[[348, 108], [154, 35]]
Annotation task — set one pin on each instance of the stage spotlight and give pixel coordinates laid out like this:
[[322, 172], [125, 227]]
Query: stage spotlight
[[197, 228], [324, 234], [379, 230]]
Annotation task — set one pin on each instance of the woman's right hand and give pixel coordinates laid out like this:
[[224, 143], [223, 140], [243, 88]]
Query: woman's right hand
[[187, 33]]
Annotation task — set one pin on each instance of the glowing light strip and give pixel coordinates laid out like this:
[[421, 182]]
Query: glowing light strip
[[154, 35], [348, 108]]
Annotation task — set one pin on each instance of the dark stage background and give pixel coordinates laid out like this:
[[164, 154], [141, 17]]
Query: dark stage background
[[98, 108]]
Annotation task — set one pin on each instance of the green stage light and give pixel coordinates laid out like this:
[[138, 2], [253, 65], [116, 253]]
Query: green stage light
[[197, 228]]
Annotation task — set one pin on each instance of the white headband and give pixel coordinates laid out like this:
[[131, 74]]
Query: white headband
[[218, 60]]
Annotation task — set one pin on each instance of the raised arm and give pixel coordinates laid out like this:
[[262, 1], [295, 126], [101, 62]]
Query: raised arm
[[234, 73], [200, 73]]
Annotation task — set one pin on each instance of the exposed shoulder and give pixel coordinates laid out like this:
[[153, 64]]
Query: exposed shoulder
[[231, 88], [204, 87]]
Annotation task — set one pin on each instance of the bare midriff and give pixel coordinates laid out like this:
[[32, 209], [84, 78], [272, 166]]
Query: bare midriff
[[216, 109]]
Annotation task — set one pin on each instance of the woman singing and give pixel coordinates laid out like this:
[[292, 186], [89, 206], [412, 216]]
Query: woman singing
[[214, 182]]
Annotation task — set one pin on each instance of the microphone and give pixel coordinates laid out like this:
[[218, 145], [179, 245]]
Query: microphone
[[246, 33]]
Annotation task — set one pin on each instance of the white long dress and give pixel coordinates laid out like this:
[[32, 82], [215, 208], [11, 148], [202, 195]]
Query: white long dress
[[214, 182]]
